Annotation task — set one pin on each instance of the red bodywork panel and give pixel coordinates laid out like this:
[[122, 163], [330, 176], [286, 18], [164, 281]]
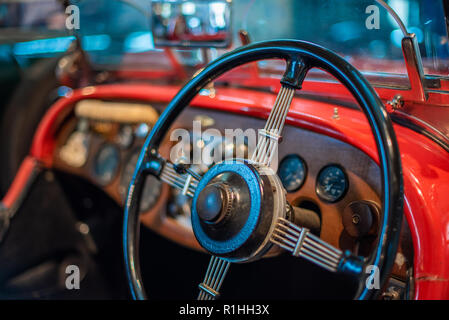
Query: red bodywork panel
[[425, 164]]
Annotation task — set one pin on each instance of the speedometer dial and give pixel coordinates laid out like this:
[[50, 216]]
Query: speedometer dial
[[292, 172], [332, 183]]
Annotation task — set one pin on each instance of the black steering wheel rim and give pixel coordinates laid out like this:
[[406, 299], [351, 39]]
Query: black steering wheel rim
[[314, 56]]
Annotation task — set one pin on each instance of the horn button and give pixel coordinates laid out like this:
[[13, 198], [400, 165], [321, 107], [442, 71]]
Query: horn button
[[214, 202], [234, 210]]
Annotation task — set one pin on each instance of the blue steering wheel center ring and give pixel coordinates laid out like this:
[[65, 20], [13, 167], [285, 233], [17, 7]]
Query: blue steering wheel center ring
[[253, 181]]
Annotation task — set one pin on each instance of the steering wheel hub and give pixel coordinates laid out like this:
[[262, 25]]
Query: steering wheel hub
[[215, 203], [234, 209]]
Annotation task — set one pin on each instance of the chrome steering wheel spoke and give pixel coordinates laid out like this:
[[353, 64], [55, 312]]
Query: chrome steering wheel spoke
[[186, 181], [271, 134], [302, 243], [215, 274], [176, 176]]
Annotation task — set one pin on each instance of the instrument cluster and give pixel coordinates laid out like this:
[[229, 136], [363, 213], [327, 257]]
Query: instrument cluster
[[321, 174], [331, 182], [105, 151]]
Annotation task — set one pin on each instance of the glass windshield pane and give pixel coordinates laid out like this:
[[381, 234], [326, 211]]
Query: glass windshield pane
[[117, 33], [370, 41], [360, 30]]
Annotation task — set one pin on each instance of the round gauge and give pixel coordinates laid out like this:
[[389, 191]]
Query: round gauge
[[106, 163], [292, 172], [151, 190], [332, 183]]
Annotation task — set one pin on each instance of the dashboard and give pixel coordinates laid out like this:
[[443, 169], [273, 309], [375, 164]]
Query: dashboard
[[334, 179]]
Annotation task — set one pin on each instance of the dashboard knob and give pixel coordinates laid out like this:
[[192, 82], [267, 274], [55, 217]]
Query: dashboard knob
[[360, 218]]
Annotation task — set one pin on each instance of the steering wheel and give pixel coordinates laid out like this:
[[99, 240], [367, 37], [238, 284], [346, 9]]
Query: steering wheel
[[239, 208]]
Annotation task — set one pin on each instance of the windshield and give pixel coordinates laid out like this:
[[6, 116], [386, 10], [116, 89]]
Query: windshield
[[361, 31], [117, 33]]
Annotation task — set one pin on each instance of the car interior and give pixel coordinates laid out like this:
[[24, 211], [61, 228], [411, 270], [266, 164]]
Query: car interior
[[193, 162]]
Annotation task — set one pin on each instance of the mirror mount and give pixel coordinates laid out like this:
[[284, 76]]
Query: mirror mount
[[244, 37]]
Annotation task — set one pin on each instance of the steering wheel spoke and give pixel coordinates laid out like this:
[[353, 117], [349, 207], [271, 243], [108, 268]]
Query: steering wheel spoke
[[270, 135], [187, 181], [215, 274], [302, 243], [176, 176]]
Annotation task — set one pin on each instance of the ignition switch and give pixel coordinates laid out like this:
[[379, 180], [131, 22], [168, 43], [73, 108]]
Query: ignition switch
[[360, 218]]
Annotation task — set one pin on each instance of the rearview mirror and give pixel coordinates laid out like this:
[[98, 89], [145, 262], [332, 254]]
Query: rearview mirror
[[192, 23]]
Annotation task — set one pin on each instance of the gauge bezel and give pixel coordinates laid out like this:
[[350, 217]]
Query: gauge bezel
[[319, 192], [95, 175], [287, 157]]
